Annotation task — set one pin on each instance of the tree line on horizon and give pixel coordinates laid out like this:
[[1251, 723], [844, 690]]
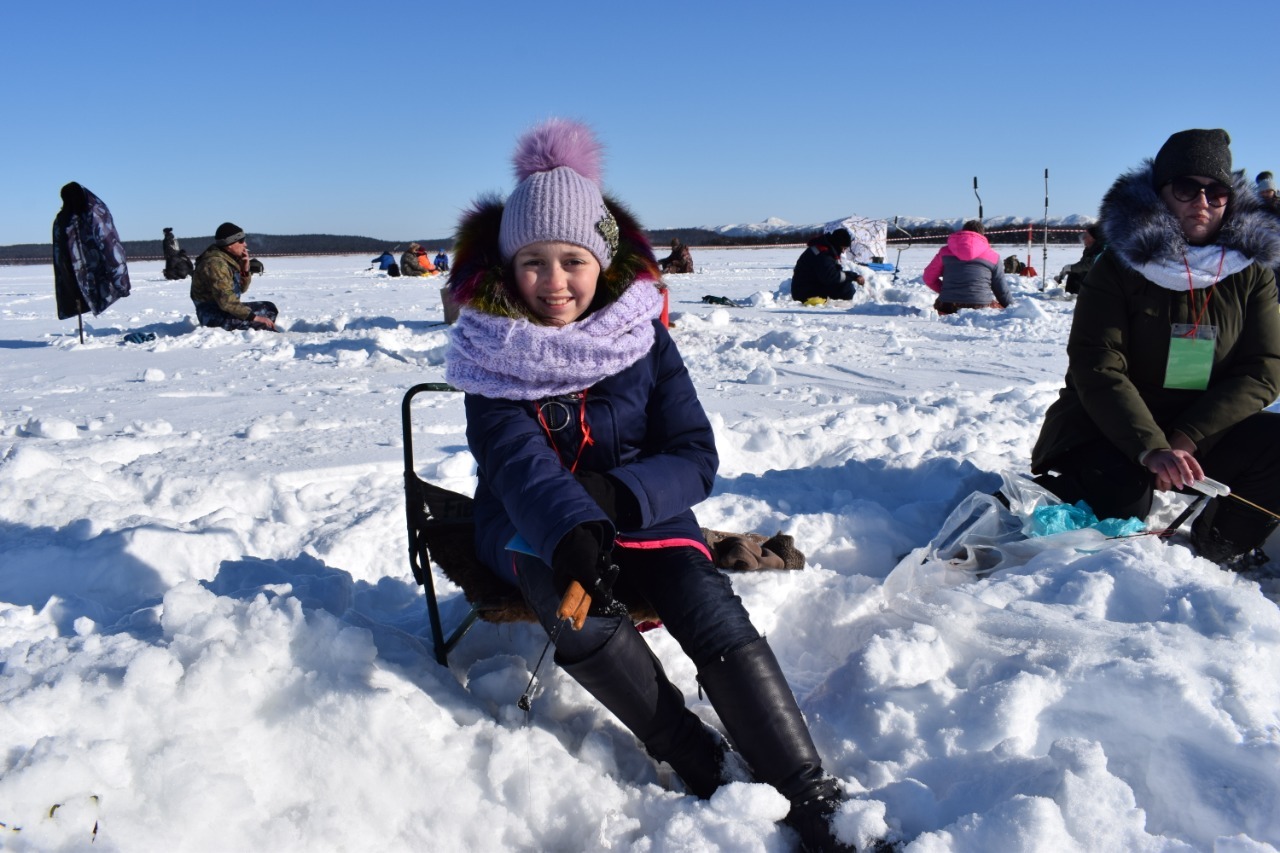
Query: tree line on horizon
[[265, 245]]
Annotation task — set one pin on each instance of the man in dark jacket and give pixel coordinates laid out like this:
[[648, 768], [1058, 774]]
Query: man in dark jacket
[[177, 263], [1075, 273], [222, 276], [89, 269], [818, 271], [679, 261]]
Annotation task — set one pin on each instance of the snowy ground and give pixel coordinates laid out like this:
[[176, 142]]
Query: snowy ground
[[210, 638]]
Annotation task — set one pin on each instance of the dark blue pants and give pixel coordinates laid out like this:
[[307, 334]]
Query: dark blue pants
[[209, 314], [694, 599]]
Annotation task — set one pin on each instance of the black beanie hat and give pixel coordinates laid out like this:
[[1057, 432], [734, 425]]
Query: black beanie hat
[[228, 234], [841, 238], [1194, 152]]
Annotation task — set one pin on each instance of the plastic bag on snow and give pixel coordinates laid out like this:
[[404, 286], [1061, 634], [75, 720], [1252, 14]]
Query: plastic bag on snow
[[982, 536]]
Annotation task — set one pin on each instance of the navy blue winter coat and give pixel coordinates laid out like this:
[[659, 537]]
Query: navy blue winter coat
[[818, 273], [647, 430]]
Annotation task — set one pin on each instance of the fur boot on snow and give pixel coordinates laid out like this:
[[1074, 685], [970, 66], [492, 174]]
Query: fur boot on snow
[[749, 552]]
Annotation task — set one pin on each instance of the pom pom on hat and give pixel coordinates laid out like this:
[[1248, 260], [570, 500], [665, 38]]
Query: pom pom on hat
[[559, 142], [558, 167]]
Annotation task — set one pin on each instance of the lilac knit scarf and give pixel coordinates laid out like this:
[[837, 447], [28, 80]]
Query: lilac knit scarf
[[514, 359]]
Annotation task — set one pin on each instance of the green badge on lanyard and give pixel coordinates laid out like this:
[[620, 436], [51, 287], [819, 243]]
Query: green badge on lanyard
[[1190, 356]]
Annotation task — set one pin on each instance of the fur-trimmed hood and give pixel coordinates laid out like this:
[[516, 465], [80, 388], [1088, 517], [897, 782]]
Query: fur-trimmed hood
[[1141, 230], [479, 278]]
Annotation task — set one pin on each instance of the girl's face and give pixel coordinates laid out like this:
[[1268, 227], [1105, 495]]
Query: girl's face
[[556, 280]]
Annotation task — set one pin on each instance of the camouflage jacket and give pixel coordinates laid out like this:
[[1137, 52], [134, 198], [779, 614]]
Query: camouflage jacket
[[218, 280]]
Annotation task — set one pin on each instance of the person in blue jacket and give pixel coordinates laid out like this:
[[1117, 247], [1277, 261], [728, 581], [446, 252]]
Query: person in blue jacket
[[591, 448]]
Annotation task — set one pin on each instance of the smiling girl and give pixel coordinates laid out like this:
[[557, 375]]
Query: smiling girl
[[591, 448]]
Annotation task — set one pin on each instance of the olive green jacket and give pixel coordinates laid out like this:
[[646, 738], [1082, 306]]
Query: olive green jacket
[[218, 280], [1118, 349], [1119, 342]]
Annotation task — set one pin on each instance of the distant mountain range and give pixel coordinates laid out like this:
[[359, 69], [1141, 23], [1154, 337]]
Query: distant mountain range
[[771, 231], [912, 224]]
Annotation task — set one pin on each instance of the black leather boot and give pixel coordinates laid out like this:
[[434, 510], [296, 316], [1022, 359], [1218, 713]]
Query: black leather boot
[[1230, 534], [760, 713], [627, 678]]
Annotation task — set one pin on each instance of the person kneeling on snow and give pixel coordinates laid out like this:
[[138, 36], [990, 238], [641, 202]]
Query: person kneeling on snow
[[415, 262], [967, 273], [222, 276], [818, 272], [1174, 352], [591, 448]]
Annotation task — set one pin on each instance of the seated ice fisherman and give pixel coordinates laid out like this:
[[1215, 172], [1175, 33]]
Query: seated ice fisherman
[[222, 276], [818, 271]]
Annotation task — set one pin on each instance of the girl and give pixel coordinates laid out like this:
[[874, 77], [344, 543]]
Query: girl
[[591, 447]]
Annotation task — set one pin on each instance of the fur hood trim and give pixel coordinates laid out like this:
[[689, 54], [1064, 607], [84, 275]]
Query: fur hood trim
[[1141, 230], [479, 280]]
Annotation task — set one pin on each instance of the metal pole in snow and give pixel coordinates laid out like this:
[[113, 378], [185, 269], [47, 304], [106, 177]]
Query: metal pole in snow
[[1044, 262], [975, 192]]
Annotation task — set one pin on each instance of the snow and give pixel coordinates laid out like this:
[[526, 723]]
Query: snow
[[211, 639]]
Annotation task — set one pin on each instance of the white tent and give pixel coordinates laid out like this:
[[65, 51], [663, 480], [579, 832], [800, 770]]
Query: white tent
[[869, 238]]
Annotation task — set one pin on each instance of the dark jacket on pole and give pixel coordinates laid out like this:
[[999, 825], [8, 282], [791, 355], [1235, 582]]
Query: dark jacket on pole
[[89, 270]]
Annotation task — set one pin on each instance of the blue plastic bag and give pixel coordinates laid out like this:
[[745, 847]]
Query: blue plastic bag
[[1059, 518]]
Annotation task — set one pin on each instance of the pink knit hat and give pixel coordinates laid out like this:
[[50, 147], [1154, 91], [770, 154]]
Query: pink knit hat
[[557, 165]]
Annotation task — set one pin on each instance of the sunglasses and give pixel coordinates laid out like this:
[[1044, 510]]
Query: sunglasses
[[1186, 189]]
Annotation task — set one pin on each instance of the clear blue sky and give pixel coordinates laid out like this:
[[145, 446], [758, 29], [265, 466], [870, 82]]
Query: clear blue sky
[[385, 118]]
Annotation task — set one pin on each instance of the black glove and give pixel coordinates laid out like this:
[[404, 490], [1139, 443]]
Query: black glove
[[613, 498], [581, 557]]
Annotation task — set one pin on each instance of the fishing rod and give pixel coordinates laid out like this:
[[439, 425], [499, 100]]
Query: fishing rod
[[573, 610], [1044, 259]]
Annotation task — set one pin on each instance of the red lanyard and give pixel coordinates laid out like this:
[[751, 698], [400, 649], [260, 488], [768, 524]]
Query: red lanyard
[[586, 433], [1191, 292]]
